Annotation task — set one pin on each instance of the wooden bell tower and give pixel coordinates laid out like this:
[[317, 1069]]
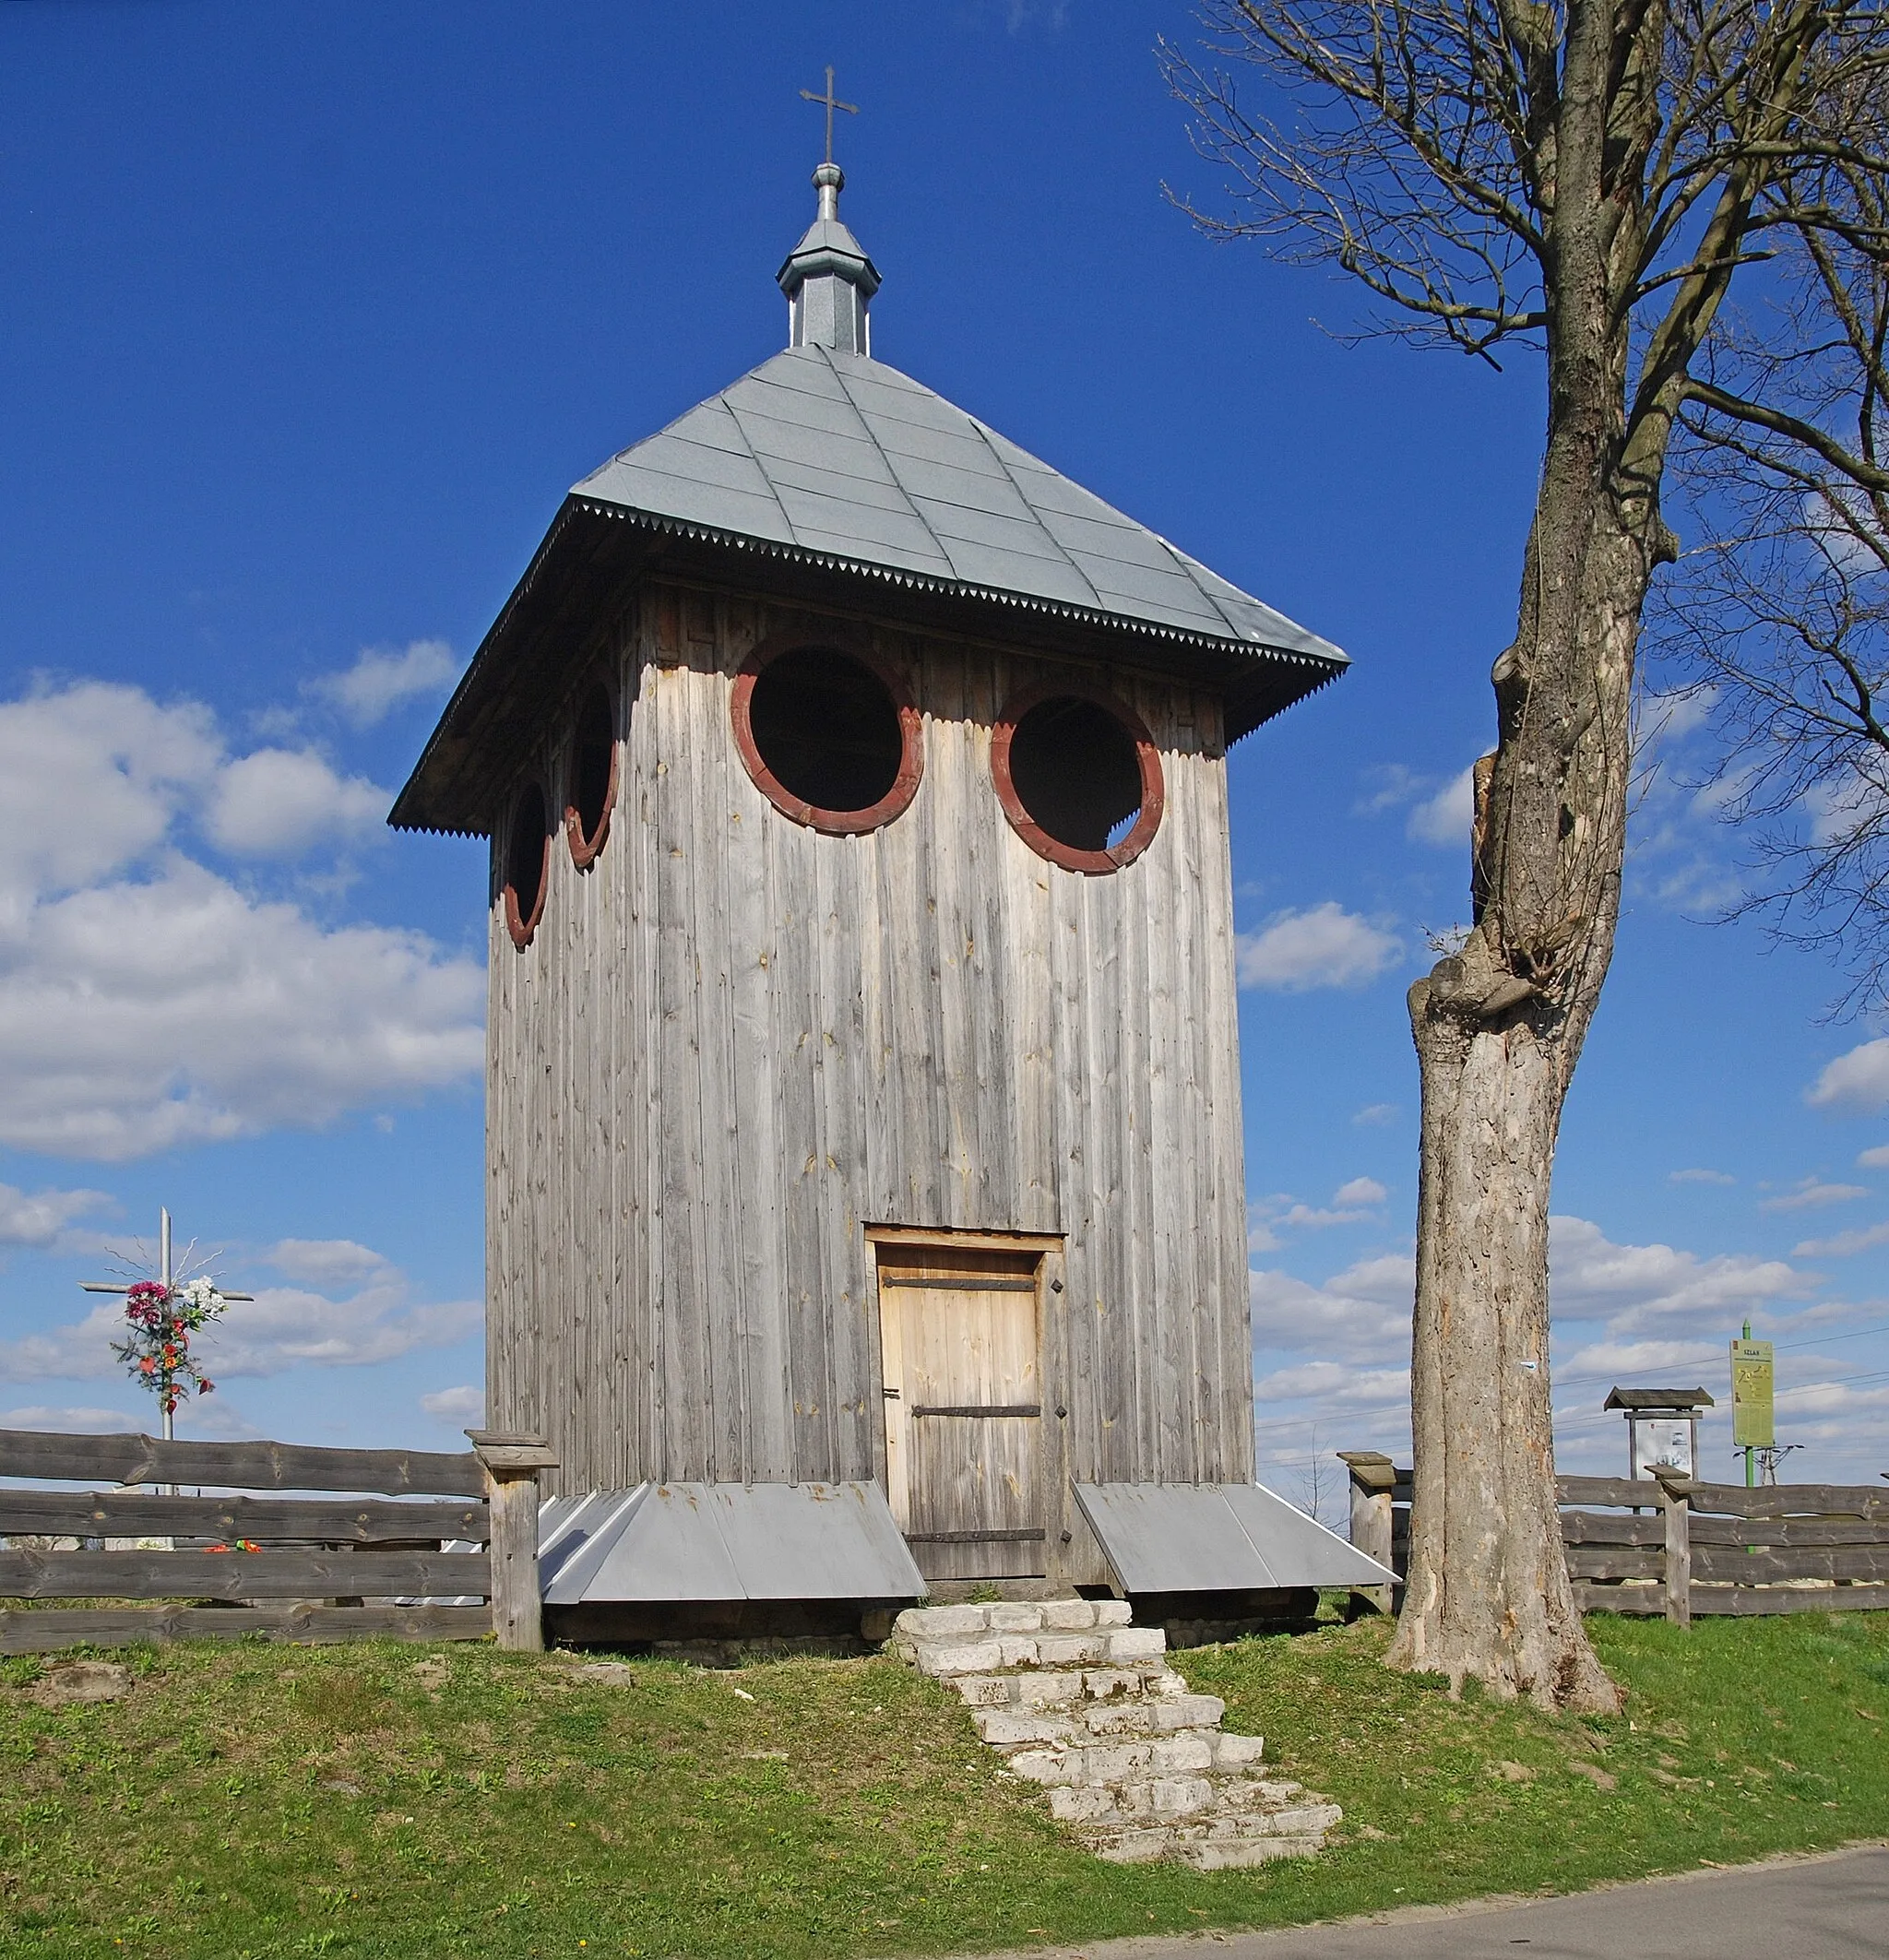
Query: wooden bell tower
[[863, 1086]]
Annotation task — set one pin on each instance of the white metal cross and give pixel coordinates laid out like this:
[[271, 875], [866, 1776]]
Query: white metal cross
[[165, 1279]]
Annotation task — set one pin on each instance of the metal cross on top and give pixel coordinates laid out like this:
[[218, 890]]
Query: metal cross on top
[[830, 102]]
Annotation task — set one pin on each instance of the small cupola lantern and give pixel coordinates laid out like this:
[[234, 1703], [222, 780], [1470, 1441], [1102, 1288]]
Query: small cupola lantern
[[865, 1204]]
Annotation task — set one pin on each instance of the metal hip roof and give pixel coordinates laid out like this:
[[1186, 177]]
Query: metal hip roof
[[844, 458]]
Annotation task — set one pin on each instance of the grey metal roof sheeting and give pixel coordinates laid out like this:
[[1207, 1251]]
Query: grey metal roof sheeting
[[705, 1541], [847, 460], [1216, 1538]]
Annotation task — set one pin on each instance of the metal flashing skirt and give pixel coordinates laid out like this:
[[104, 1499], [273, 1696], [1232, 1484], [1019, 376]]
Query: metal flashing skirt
[[1216, 1538], [704, 1543]]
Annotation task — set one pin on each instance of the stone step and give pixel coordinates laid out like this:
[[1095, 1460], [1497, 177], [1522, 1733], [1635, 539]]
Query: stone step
[[1162, 1715], [952, 1623], [1077, 1699], [984, 1654], [1011, 1727], [1188, 1754], [1213, 1844], [1245, 1809], [1065, 1687]]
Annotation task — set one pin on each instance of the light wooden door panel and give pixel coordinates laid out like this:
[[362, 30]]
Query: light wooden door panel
[[964, 1418]]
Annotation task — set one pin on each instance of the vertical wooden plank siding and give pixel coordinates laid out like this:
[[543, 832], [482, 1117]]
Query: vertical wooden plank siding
[[736, 1043]]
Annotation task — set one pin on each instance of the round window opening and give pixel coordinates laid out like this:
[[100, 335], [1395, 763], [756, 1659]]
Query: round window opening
[[593, 777], [826, 739], [528, 845], [1080, 780]]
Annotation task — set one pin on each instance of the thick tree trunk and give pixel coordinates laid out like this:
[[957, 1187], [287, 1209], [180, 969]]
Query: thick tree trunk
[[1497, 1029], [1489, 1595]]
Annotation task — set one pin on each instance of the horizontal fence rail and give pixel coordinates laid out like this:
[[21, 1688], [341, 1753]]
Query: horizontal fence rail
[[1675, 1546], [444, 1547], [248, 1466]]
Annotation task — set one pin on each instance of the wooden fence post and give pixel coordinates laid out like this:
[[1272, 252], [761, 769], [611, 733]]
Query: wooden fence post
[[1374, 1478], [512, 1464], [1679, 1548]]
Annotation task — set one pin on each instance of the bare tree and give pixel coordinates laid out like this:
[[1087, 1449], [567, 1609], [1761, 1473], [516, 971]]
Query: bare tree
[[1587, 178], [1780, 612], [1314, 1479]]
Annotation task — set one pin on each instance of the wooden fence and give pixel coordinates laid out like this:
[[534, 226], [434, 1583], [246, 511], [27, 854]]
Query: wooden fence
[[289, 1568], [1677, 1547]]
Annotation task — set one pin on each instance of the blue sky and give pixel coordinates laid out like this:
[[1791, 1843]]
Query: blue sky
[[311, 314]]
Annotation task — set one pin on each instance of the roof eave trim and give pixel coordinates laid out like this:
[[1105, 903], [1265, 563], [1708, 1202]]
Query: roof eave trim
[[1331, 664], [402, 816]]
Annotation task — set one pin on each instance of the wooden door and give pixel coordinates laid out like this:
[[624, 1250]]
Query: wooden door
[[964, 1414]]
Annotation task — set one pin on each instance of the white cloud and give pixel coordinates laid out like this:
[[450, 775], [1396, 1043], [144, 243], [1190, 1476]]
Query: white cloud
[[1876, 1158], [1842, 1245], [282, 1327], [1858, 1080], [275, 803], [1697, 1176], [1635, 1288], [1322, 946], [91, 778], [325, 1262], [1392, 785], [1811, 1194], [1626, 1358], [1375, 1115], [1445, 818], [1361, 1314], [71, 1421], [1336, 1385], [1672, 718], [383, 678], [1360, 1191], [39, 1217], [1350, 1203], [464, 1405], [145, 1001], [139, 1017]]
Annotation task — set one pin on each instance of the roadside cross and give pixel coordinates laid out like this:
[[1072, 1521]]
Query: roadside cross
[[166, 1279]]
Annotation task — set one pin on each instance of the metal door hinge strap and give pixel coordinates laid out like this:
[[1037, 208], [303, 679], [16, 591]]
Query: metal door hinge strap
[[965, 1283], [983, 1409], [1033, 1536]]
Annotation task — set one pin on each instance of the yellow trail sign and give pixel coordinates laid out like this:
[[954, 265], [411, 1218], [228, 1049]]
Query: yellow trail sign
[[1751, 1377]]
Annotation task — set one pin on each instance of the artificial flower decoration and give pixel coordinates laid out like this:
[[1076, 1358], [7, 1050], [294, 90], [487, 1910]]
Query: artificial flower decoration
[[159, 1322]]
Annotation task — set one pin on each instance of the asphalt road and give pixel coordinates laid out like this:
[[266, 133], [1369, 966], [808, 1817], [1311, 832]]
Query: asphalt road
[[1804, 1908]]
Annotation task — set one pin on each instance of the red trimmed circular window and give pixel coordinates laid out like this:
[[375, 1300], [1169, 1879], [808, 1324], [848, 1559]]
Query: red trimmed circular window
[[1078, 775], [593, 777], [828, 732], [527, 865]]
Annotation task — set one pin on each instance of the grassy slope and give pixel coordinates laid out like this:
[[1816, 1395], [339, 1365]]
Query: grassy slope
[[386, 1801]]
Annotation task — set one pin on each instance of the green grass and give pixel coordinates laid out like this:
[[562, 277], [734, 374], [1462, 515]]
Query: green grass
[[388, 1801]]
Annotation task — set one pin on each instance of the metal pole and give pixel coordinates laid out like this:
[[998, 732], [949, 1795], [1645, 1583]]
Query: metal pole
[[164, 1278], [1751, 1480]]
